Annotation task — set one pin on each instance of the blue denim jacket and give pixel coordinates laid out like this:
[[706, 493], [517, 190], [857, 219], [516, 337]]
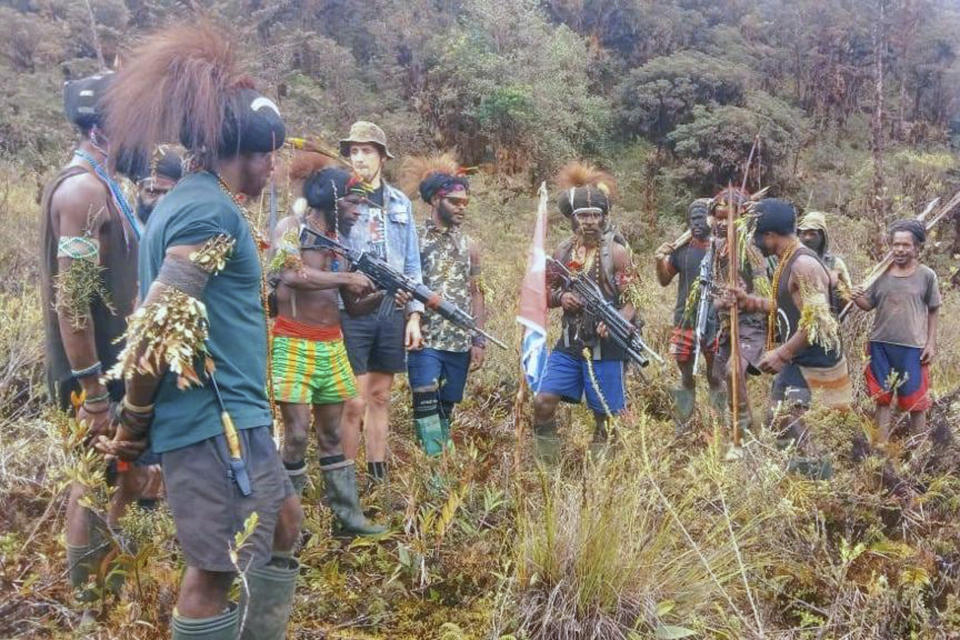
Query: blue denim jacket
[[403, 247]]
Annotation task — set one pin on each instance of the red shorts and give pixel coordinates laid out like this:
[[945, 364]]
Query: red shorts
[[682, 344]]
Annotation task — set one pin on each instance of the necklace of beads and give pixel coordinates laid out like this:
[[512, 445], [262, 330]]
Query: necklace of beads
[[262, 244]]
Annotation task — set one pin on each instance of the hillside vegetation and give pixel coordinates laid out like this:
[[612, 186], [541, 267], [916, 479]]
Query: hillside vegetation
[[856, 104]]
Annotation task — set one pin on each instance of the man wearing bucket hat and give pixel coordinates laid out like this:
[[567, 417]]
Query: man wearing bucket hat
[[376, 341]]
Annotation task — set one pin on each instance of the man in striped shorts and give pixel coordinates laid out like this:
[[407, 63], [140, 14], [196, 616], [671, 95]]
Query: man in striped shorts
[[311, 372]]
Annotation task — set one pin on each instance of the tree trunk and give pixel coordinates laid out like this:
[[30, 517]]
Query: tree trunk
[[878, 197]]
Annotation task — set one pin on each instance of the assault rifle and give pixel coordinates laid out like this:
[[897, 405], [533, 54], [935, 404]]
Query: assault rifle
[[705, 279], [390, 280], [622, 332]]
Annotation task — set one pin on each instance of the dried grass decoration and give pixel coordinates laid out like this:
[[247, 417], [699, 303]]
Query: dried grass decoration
[[173, 330], [816, 319], [81, 283], [288, 253]]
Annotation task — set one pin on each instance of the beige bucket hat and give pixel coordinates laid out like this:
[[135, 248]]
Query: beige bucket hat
[[363, 132]]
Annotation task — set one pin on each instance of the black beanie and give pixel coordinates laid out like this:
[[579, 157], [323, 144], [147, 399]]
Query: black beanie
[[915, 227], [776, 215], [82, 99], [582, 198], [323, 188]]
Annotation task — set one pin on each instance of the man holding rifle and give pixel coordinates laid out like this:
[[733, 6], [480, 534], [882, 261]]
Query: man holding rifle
[[687, 344], [311, 372], [585, 361], [903, 341]]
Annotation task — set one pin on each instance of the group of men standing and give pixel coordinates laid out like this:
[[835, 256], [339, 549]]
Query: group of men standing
[[790, 294], [175, 324]]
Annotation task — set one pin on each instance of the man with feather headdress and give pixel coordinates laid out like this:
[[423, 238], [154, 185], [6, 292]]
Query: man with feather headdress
[[584, 362], [312, 377], [450, 263], [195, 360], [752, 326]]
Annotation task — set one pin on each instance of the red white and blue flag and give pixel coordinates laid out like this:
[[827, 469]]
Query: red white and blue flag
[[533, 300]]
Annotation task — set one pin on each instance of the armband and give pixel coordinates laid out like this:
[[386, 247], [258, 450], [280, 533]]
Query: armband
[[87, 372], [103, 397], [79, 248], [212, 256]]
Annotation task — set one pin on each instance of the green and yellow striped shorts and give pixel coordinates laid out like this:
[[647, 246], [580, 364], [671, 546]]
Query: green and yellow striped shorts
[[311, 371]]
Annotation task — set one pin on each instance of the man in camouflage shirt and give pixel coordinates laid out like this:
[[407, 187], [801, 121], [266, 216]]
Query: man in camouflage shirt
[[450, 262]]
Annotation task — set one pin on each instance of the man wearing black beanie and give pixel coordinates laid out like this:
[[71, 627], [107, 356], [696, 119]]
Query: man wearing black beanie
[[809, 359]]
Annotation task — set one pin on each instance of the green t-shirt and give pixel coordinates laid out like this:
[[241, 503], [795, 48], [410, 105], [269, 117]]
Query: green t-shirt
[[194, 211]]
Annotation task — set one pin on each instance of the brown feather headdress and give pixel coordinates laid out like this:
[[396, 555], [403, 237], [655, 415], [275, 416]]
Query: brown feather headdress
[[182, 83], [583, 184], [430, 174]]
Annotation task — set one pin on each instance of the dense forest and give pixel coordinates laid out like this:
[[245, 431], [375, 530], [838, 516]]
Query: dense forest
[[856, 107]]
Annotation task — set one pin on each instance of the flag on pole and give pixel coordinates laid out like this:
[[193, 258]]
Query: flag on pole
[[533, 300]]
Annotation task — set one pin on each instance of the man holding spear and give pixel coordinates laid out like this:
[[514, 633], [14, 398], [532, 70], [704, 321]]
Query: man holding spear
[[684, 257]]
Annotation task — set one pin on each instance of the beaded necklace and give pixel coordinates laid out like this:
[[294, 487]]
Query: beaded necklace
[[264, 300], [775, 294]]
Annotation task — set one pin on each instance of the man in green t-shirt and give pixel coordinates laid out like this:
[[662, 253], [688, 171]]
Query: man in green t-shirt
[[202, 312]]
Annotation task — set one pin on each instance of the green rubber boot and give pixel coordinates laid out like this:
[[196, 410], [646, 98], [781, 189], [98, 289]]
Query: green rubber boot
[[271, 590], [445, 432], [340, 491], [83, 562], [546, 442], [684, 404], [718, 405], [429, 432], [221, 627]]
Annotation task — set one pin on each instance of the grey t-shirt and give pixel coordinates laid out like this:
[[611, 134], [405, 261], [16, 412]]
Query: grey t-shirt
[[902, 305]]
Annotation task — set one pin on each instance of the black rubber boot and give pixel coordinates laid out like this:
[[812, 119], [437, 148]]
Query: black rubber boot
[[340, 492], [271, 599], [297, 472]]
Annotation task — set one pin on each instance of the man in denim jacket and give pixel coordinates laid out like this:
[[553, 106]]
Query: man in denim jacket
[[376, 342]]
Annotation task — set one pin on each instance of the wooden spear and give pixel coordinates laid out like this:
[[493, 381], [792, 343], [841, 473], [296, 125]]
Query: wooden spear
[[733, 281]]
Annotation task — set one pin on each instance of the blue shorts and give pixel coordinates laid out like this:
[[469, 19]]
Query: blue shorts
[[448, 369], [569, 378], [894, 368]]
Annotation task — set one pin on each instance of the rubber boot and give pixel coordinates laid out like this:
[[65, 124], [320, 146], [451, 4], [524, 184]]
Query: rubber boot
[[340, 491], [684, 403], [446, 423], [719, 404], [426, 422], [271, 590], [297, 472], [377, 472], [82, 562], [221, 627], [546, 442]]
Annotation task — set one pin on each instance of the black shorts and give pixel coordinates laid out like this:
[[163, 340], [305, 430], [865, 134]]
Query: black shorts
[[208, 509], [375, 341]]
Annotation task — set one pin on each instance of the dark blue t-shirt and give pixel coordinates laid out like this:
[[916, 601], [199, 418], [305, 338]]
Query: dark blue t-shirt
[[193, 212]]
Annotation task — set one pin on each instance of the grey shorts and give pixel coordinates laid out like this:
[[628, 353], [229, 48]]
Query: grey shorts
[[375, 341], [753, 340], [208, 509]]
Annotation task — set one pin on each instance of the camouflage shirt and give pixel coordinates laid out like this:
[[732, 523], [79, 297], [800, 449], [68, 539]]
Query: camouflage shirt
[[447, 269]]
